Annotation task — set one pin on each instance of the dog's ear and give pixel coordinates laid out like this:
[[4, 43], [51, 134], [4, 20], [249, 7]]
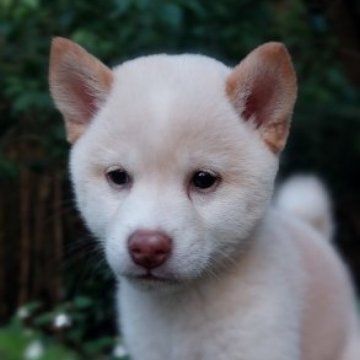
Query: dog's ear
[[262, 88], [79, 84]]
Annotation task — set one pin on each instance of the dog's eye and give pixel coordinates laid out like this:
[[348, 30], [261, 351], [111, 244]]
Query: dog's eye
[[118, 177], [204, 180]]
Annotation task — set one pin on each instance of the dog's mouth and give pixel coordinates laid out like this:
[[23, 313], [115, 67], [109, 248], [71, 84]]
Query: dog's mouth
[[153, 279]]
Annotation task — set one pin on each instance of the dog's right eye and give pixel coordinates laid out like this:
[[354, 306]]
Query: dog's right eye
[[118, 177], [204, 180]]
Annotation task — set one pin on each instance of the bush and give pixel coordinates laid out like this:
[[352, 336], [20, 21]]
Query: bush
[[59, 334]]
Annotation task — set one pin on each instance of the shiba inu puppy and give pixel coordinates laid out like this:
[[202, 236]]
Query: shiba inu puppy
[[173, 165]]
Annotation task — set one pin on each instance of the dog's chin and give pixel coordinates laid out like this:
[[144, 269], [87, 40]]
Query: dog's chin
[[161, 281]]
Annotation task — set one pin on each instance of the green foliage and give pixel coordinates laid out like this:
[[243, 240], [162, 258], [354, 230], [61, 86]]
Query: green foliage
[[56, 335], [119, 29]]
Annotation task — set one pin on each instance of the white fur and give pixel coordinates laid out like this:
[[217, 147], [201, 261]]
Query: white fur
[[244, 277], [306, 197]]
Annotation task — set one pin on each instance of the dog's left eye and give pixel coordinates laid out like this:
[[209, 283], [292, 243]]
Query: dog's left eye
[[118, 177], [204, 180]]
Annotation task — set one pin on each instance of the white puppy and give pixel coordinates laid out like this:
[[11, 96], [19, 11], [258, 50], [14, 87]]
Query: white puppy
[[173, 164]]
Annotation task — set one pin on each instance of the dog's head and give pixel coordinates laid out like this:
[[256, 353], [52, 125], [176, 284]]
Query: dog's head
[[174, 157]]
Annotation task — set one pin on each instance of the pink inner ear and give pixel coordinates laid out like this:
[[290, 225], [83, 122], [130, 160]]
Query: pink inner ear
[[86, 100], [259, 103]]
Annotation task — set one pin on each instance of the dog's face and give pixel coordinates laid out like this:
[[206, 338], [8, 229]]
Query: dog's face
[[173, 157]]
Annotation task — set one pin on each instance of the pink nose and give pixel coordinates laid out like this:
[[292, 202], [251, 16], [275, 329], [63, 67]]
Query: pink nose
[[149, 249]]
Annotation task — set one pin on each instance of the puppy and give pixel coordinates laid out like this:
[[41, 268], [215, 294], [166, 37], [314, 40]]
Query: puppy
[[173, 165]]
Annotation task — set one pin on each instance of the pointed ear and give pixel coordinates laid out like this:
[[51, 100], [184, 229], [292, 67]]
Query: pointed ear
[[79, 84], [262, 88]]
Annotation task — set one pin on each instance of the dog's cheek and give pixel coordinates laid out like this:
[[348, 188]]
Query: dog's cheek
[[100, 213], [230, 217], [96, 208], [93, 197], [192, 249], [116, 253], [118, 231]]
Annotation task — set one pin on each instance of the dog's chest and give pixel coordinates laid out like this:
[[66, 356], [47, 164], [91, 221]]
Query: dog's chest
[[192, 327], [176, 330]]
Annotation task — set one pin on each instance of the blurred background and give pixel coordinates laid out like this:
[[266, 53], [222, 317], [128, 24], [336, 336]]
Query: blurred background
[[56, 293]]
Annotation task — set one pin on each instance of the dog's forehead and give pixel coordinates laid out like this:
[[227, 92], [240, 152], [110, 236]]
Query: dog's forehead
[[166, 94], [161, 106], [154, 86], [181, 69]]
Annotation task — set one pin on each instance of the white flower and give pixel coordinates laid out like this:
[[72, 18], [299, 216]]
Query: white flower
[[34, 350], [119, 351], [22, 313], [61, 321]]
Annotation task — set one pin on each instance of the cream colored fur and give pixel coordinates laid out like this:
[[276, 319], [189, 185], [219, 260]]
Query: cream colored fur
[[246, 280]]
